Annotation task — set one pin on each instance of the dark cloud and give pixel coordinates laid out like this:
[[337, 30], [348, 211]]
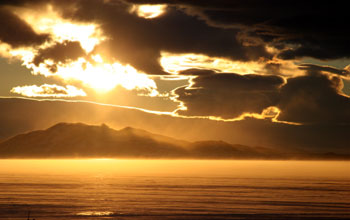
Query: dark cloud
[[229, 95], [313, 28], [314, 99], [237, 30], [23, 2], [139, 42], [60, 52], [17, 32], [197, 72]]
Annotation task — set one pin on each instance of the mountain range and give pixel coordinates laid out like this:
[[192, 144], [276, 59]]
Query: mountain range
[[77, 140]]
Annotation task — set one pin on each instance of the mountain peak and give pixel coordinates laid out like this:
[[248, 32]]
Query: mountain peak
[[66, 124]]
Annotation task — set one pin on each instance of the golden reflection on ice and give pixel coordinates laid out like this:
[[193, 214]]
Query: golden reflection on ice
[[95, 213]]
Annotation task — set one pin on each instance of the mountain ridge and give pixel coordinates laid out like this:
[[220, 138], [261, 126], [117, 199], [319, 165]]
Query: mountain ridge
[[78, 140]]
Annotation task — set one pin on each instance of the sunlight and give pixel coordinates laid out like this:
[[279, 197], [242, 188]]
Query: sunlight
[[98, 75], [83, 33], [102, 77], [91, 71], [148, 11]]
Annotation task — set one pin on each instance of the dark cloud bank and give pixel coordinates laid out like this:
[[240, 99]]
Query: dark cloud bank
[[139, 42], [312, 99], [229, 95], [216, 28], [314, 28], [238, 30]]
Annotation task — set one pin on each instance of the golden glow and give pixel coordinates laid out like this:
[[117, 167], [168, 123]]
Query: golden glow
[[234, 168], [47, 90], [100, 76], [148, 11], [175, 63]]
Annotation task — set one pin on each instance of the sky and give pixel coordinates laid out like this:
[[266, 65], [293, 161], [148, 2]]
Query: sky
[[251, 72]]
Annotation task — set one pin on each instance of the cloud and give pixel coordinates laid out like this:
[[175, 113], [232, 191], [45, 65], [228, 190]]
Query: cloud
[[17, 33], [180, 63], [48, 19], [48, 91], [238, 30], [228, 95], [314, 98], [69, 55], [210, 42], [314, 29], [117, 35], [197, 72], [125, 42], [100, 76], [139, 42], [60, 52]]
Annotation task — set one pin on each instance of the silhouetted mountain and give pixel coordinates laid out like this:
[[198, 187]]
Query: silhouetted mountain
[[65, 140], [80, 140]]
